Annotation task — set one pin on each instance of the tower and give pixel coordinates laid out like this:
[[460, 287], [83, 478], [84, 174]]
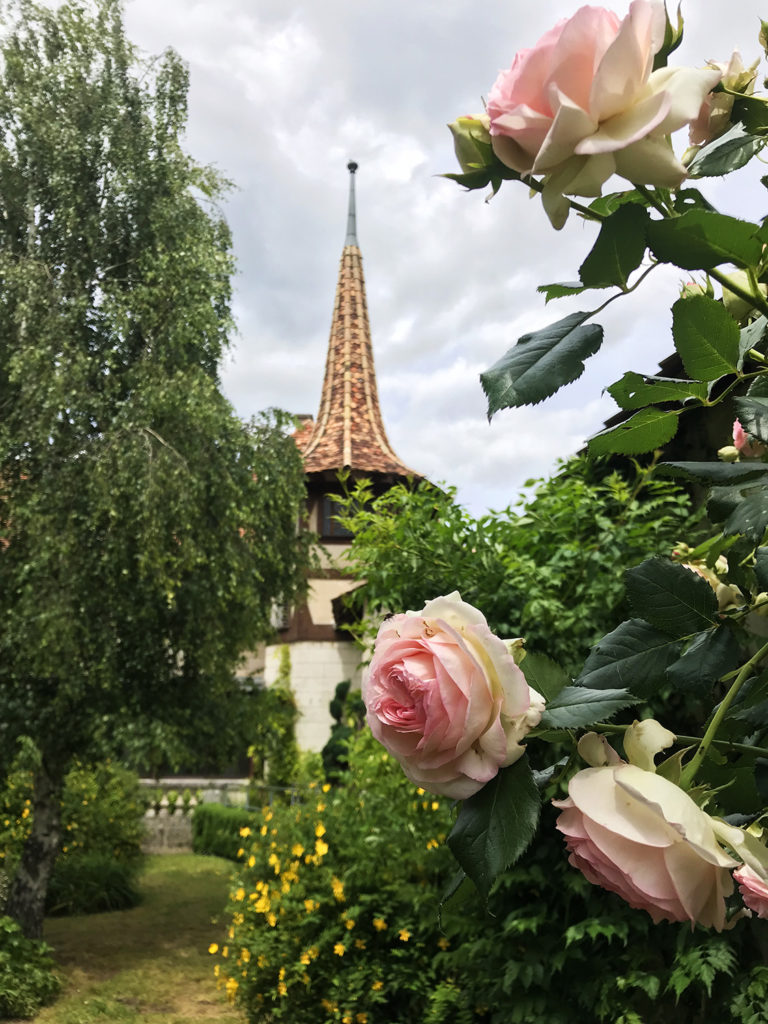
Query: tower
[[347, 435]]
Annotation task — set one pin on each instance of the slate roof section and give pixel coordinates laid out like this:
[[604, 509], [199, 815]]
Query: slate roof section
[[349, 431]]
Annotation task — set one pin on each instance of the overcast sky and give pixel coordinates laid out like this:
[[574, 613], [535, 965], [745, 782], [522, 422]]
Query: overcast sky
[[283, 94]]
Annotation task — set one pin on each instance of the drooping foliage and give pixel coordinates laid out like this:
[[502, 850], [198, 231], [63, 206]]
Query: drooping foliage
[[146, 531]]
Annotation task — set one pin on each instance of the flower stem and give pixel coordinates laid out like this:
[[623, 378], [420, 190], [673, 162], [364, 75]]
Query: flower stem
[[689, 772], [725, 745], [755, 299]]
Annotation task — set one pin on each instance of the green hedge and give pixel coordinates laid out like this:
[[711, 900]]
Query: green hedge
[[89, 883], [27, 977], [216, 829]]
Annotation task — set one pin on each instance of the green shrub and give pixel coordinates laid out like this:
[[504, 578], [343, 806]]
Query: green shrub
[[27, 978], [102, 828], [88, 883], [216, 829], [334, 912]]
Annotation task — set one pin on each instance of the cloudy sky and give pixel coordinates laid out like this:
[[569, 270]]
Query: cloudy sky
[[283, 93]]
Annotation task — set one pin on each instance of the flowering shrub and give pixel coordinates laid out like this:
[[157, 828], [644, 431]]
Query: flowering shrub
[[334, 909], [596, 96]]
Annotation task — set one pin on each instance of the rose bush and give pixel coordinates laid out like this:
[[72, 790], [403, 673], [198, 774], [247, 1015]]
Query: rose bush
[[445, 697], [640, 836], [585, 103]]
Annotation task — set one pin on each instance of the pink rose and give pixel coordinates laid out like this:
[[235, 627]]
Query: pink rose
[[749, 449], [445, 697], [638, 835], [753, 889], [585, 103]]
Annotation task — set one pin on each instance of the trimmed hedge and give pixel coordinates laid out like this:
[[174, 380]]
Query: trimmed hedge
[[216, 829], [89, 883]]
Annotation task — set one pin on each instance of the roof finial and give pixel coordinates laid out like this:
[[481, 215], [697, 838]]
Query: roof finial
[[351, 238]]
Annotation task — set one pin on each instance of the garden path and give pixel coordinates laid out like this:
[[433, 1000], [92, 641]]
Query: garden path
[[148, 965]]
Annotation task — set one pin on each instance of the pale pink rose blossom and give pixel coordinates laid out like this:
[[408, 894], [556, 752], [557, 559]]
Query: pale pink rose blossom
[[445, 697], [753, 889], [715, 115], [638, 835], [741, 441], [585, 103]]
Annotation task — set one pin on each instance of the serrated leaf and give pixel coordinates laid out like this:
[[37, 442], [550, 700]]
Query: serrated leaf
[[541, 363], [495, 826], [671, 597], [702, 240], [706, 337], [711, 654], [544, 674], [759, 387], [718, 473], [560, 289], [635, 390], [752, 112], [635, 656], [618, 249], [749, 516], [752, 336], [752, 412], [576, 707], [727, 153], [646, 430]]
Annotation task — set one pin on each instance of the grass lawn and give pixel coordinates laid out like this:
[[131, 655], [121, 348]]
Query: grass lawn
[[149, 964]]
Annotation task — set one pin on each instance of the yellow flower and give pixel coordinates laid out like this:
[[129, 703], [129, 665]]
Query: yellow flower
[[231, 987], [213, 948], [320, 807], [321, 848], [346, 1019], [25, 813], [297, 850], [379, 924], [282, 988], [404, 935], [271, 920], [245, 955], [319, 829], [361, 1018], [263, 830], [420, 791], [261, 960], [304, 959], [349, 925], [281, 974], [310, 905], [251, 861], [443, 943], [359, 943], [240, 852], [435, 805], [239, 895], [338, 889], [245, 831], [377, 986], [225, 951], [268, 815], [326, 787], [339, 949]]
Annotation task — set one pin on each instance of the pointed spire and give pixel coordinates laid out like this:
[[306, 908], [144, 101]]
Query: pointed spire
[[351, 238], [349, 430]]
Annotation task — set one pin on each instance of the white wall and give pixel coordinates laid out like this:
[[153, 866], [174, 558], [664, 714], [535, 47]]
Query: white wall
[[316, 670]]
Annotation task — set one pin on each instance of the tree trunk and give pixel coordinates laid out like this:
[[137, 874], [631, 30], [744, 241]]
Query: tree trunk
[[26, 899]]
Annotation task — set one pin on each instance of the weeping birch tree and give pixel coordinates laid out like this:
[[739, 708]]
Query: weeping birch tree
[[145, 531]]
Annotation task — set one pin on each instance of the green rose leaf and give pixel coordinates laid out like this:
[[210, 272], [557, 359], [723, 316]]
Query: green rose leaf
[[635, 656], [560, 289], [711, 654], [716, 473], [646, 430], [761, 569], [752, 112], [752, 336], [706, 337], [702, 240], [541, 363], [576, 707], [759, 387], [727, 153], [618, 250], [495, 826], [753, 415], [742, 510], [636, 390], [544, 675], [671, 597]]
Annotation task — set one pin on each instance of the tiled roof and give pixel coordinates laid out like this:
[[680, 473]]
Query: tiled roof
[[349, 431]]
